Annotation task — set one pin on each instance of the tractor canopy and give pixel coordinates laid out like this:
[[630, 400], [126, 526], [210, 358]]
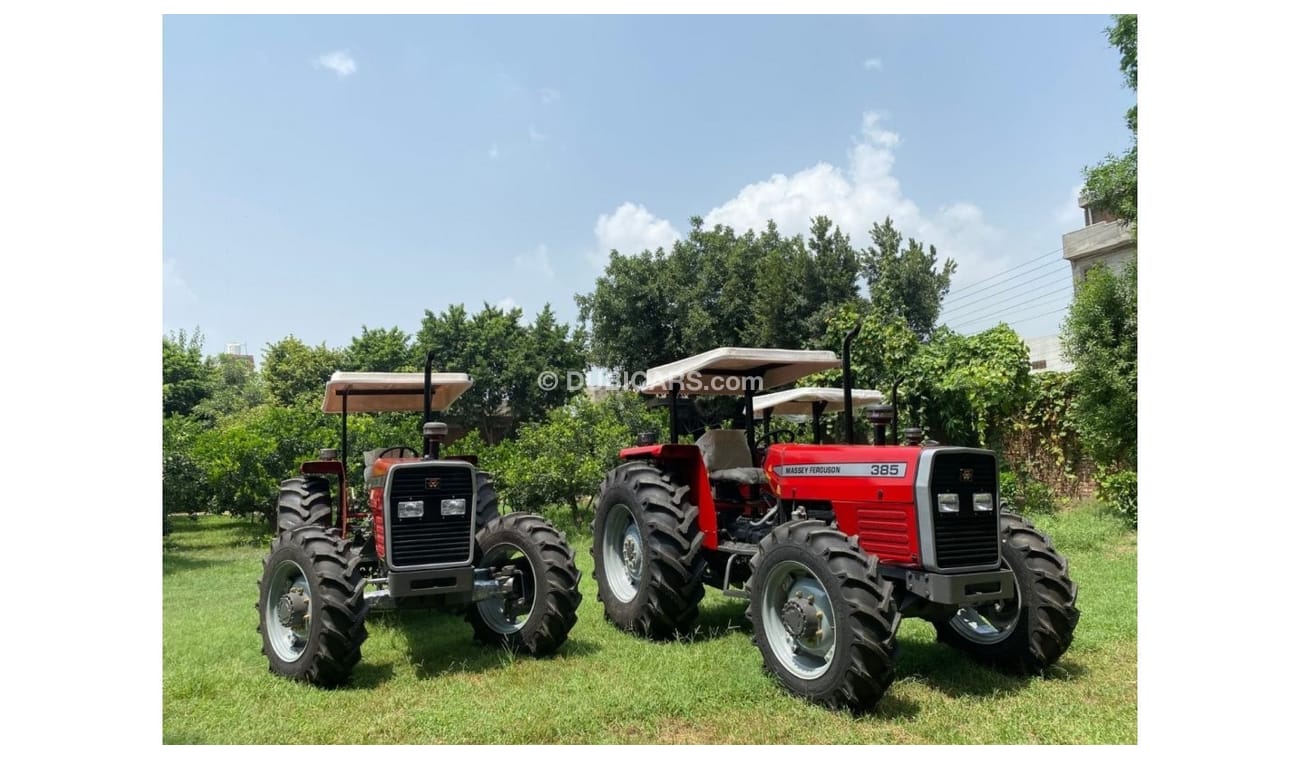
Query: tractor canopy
[[800, 401], [733, 371], [391, 391]]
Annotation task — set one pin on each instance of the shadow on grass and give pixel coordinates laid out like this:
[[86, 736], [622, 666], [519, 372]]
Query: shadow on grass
[[945, 669], [718, 620], [440, 642], [190, 539]]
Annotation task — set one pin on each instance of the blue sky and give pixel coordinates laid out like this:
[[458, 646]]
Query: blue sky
[[321, 173]]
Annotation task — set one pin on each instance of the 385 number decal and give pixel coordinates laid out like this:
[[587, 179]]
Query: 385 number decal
[[887, 469]]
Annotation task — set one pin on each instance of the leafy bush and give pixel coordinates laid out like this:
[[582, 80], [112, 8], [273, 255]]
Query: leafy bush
[[1023, 494], [183, 481], [1119, 491]]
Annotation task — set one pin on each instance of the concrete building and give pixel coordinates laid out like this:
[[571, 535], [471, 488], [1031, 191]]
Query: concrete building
[[1045, 355], [1103, 240]]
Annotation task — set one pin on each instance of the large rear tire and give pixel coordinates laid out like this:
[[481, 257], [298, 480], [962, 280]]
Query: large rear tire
[[304, 501], [488, 505], [311, 606], [823, 618], [542, 608], [648, 552], [1029, 633]]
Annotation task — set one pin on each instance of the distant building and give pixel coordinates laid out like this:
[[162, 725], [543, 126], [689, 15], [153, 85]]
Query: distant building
[[237, 351], [1103, 240], [1045, 355]]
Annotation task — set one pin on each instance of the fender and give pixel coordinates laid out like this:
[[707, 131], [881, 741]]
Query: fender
[[685, 463]]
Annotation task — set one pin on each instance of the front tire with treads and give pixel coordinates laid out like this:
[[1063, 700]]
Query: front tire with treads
[[824, 619], [648, 552], [543, 607], [311, 606]]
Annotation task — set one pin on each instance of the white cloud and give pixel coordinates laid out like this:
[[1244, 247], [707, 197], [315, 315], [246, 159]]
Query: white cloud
[[861, 193], [494, 152], [507, 304], [535, 263], [873, 64], [1069, 213], [174, 286], [548, 96], [340, 62], [631, 229], [535, 135]]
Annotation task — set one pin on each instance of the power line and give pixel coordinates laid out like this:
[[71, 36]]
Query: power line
[[965, 288], [1004, 282], [1036, 316], [970, 319], [948, 314]]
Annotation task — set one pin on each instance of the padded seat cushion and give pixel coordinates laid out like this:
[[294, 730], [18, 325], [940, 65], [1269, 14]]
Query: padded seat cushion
[[745, 475]]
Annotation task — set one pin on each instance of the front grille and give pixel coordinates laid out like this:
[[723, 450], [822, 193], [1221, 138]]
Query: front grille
[[966, 538], [431, 539]]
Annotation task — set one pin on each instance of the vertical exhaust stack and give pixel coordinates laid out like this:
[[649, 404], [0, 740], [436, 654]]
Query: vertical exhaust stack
[[848, 382], [433, 433]]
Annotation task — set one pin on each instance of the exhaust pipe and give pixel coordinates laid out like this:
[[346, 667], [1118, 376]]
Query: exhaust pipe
[[848, 383]]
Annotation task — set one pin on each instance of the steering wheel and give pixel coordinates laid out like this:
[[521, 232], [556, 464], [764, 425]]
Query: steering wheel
[[776, 436], [399, 449]]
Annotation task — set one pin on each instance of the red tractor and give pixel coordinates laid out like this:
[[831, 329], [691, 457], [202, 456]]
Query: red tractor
[[832, 544], [430, 535]]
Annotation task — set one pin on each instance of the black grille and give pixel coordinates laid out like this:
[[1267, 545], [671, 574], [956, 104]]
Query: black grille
[[431, 539], [966, 538]]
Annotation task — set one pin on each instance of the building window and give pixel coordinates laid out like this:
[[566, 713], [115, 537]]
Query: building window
[[1040, 364]]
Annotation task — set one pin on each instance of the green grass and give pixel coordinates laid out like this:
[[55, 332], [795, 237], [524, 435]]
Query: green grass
[[422, 679]]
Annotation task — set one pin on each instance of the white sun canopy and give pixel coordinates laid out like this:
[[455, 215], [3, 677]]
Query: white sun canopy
[[392, 391], [722, 371], [801, 400]]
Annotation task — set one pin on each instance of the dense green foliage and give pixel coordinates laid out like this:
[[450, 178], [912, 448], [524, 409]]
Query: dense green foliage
[[1119, 491], [718, 288], [185, 379], [906, 282], [1100, 337]]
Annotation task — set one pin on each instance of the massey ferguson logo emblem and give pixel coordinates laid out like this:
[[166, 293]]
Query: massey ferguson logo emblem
[[967, 475], [431, 483]]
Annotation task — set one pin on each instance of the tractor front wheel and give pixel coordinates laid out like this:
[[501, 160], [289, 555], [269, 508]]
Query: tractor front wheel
[[823, 618], [648, 552], [1031, 631], [535, 564], [311, 606]]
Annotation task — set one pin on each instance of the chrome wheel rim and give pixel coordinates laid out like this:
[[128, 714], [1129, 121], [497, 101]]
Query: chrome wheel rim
[[623, 552], [991, 622], [793, 593], [509, 615], [287, 616]]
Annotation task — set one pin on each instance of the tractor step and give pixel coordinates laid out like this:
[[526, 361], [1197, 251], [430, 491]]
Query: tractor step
[[735, 547]]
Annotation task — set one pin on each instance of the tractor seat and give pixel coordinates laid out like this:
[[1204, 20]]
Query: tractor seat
[[727, 458]]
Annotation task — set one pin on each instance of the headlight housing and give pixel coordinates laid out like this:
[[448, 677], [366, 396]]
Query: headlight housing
[[983, 502], [949, 503]]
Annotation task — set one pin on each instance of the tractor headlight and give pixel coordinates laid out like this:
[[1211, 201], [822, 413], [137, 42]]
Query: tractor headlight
[[453, 507], [948, 502], [409, 509], [983, 502]]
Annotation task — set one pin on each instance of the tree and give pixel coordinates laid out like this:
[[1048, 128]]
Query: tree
[[563, 459], [186, 380], [381, 350], [291, 369], [236, 387], [1112, 184], [718, 288], [1100, 337], [969, 388], [505, 356], [905, 282]]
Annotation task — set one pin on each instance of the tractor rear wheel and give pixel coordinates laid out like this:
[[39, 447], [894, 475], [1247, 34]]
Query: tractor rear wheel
[[540, 609], [1030, 632], [487, 506], [648, 552], [304, 501], [311, 606], [823, 618]]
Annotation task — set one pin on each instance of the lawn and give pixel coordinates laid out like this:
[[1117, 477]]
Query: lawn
[[423, 680]]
